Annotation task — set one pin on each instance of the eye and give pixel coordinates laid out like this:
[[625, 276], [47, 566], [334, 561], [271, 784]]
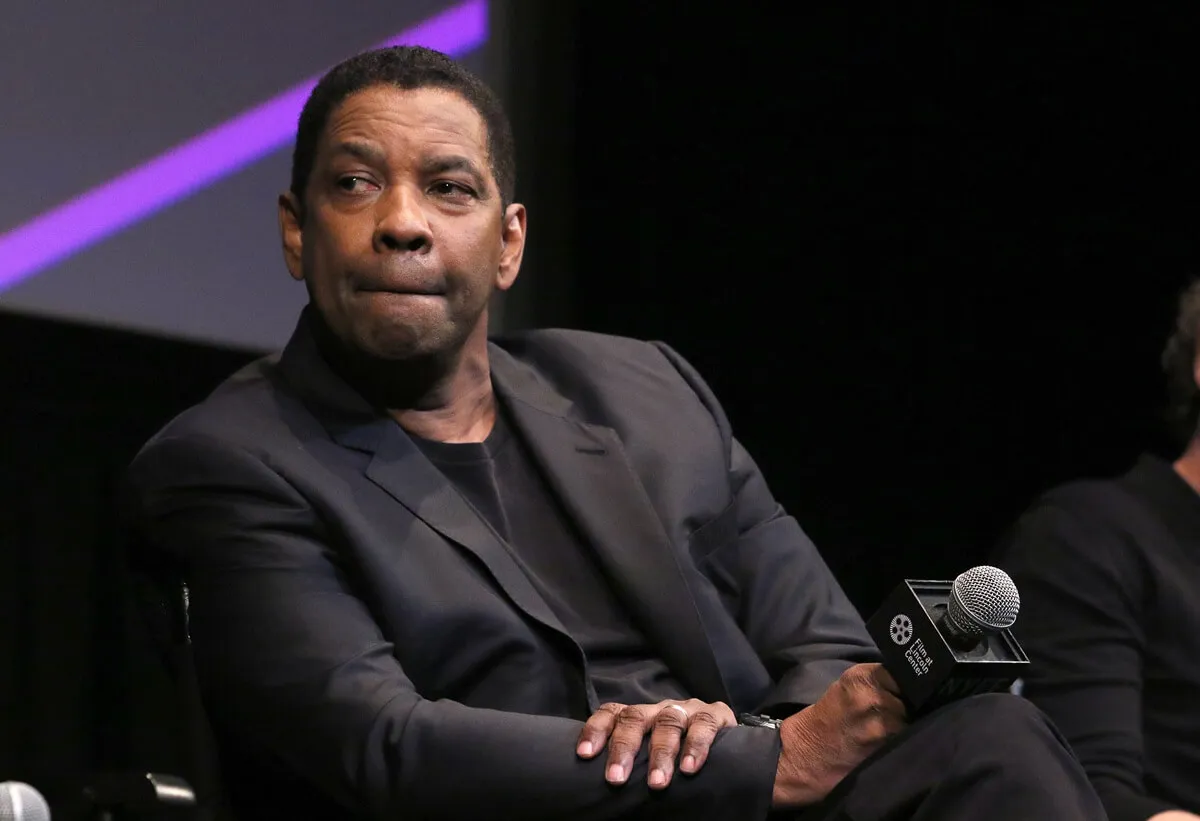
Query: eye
[[446, 188], [354, 184]]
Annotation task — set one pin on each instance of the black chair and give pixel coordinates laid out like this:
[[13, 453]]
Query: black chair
[[162, 599], [218, 780], [142, 796]]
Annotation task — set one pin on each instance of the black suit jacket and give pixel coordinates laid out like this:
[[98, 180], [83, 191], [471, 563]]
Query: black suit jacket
[[367, 647]]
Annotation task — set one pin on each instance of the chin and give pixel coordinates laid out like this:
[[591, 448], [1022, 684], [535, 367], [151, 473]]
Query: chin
[[396, 330], [399, 343]]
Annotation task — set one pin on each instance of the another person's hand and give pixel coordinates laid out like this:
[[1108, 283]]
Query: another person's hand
[[690, 724], [825, 741]]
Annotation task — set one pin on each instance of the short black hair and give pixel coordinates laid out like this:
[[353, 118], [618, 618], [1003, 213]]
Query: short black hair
[[406, 67], [1179, 365]]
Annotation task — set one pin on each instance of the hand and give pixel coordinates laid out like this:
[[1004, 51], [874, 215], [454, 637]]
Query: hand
[[623, 727], [825, 741], [1174, 815]]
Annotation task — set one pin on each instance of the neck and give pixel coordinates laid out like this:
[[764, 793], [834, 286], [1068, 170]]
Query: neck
[[1188, 465], [446, 397]]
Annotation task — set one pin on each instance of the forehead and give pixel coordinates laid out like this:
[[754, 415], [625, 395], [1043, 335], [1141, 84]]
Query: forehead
[[412, 119]]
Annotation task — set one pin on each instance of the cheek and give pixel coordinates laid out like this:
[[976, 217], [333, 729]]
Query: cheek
[[343, 236], [329, 249], [473, 252]]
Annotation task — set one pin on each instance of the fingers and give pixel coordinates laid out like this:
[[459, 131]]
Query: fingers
[[669, 726], [632, 722], [597, 729], [871, 679], [690, 727], [888, 697], [873, 707], [892, 713], [702, 732], [883, 680]]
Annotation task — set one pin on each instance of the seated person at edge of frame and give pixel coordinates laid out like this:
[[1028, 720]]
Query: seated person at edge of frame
[[433, 576], [1109, 572]]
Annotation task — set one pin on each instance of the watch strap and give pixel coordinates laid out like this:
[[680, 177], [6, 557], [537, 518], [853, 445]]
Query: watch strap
[[751, 720]]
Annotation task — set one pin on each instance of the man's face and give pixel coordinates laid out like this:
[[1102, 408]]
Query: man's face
[[402, 240]]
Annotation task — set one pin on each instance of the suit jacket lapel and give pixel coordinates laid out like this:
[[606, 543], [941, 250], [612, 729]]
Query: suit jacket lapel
[[586, 465], [402, 470], [398, 467]]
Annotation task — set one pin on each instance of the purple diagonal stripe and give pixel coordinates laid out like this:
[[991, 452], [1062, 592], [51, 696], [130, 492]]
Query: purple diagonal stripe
[[109, 208]]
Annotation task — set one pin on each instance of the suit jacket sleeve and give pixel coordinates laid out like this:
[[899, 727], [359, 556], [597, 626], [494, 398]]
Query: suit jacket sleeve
[[1081, 588], [290, 659], [788, 602]]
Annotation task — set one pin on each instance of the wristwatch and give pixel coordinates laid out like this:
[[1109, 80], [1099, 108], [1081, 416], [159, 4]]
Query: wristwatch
[[751, 720]]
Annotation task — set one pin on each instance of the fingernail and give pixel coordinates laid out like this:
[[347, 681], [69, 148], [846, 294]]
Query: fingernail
[[657, 778], [688, 764], [585, 748], [616, 774]]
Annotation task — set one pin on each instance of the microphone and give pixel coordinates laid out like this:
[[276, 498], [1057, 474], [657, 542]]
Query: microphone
[[943, 641], [21, 802]]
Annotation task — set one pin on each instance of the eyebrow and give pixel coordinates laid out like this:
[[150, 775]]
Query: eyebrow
[[366, 152]]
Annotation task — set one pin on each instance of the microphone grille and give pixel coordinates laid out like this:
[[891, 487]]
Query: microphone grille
[[21, 802], [983, 600]]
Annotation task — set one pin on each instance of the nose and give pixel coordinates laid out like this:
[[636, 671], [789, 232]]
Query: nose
[[401, 225]]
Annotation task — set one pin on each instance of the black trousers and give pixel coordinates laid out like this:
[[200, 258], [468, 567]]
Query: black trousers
[[985, 758]]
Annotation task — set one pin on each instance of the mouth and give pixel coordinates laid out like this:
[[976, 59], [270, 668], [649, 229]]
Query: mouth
[[406, 291], [399, 279]]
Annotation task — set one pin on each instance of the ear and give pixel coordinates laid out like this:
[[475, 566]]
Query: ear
[[291, 217], [512, 240]]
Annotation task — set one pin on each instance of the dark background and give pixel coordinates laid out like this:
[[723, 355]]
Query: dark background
[[95, 89], [927, 261]]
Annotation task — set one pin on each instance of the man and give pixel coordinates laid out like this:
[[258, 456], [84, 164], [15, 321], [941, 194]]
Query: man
[[433, 577], [1109, 573]]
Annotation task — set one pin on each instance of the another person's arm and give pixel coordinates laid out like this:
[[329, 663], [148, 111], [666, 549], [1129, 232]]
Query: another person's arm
[[287, 654], [1081, 624]]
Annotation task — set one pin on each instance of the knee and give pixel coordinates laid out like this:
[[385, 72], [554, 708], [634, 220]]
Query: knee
[[1002, 750], [1002, 711], [1005, 725]]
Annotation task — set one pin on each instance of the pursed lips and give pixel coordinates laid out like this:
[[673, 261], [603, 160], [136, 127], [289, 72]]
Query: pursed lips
[[404, 290]]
